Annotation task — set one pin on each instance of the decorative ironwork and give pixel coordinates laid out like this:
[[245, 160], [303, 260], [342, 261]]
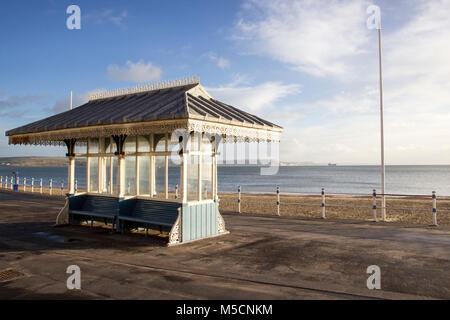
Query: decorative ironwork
[[175, 233], [232, 133], [146, 88], [221, 224]]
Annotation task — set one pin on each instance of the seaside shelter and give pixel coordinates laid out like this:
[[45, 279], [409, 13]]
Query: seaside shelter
[[151, 156]]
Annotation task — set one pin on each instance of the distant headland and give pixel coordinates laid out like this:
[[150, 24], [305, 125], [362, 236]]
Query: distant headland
[[33, 161]]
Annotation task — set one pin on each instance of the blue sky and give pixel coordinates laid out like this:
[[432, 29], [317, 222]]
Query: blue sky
[[310, 66]]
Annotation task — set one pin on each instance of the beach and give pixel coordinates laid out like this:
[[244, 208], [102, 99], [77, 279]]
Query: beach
[[407, 210]]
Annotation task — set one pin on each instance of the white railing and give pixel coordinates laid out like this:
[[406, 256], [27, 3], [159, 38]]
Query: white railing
[[432, 198]]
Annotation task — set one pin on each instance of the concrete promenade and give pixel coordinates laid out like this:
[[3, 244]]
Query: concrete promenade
[[263, 258]]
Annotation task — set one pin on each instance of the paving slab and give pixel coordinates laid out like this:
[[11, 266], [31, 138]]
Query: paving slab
[[263, 257]]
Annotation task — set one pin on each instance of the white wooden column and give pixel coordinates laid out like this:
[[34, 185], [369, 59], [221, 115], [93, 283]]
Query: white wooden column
[[104, 183], [88, 167], [100, 165], [152, 166], [199, 166], [166, 166], [71, 176], [121, 177], [137, 166], [213, 176], [183, 178], [111, 174], [215, 195]]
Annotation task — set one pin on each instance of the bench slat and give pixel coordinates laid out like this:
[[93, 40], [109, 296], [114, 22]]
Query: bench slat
[[92, 214]]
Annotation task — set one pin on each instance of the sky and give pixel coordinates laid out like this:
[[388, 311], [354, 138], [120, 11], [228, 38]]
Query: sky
[[310, 66]]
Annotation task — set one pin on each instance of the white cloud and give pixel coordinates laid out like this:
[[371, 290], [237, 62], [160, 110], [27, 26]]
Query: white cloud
[[221, 62], [319, 37], [346, 103], [135, 72], [254, 98], [106, 16], [416, 61], [344, 127]]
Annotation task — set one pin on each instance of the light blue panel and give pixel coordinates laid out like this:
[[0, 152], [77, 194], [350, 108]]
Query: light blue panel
[[199, 221]]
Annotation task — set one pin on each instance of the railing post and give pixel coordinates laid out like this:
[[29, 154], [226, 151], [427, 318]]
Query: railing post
[[12, 183], [433, 200], [62, 187], [40, 185], [323, 203], [278, 201], [6, 182], [176, 191], [1, 181], [374, 206], [32, 185], [51, 187], [24, 184], [76, 185], [239, 199]]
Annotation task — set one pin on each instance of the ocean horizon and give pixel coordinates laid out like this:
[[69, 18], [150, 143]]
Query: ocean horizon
[[304, 179]]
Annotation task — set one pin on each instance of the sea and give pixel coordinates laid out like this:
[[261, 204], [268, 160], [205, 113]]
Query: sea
[[407, 180]]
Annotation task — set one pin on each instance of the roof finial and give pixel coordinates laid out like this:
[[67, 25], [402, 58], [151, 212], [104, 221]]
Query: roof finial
[[156, 85]]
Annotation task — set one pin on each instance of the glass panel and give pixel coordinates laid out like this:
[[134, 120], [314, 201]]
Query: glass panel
[[130, 144], [81, 148], [102, 170], [107, 186], [144, 175], [206, 177], [93, 175], [115, 180], [112, 147], [175, 148], [93, 145], [80, 174], [160, 142], [130, 176], [206, 144], [106, 145], [160, 176], [144, 143], [194, 141], [174, 176], [192, 178]]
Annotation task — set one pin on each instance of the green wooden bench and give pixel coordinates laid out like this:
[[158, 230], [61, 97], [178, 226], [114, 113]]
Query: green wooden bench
[[94, 208], [148, 214]]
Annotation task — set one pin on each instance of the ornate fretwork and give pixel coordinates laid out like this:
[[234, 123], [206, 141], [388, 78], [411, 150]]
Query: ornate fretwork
[[175, 233], [235, 133], [120, 143], [58, 136], [221, 224], [70, 143], [146, 88], [63, 216], [231, 132]]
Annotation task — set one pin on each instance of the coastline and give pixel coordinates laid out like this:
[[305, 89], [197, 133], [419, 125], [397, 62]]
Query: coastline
[[406, 210]]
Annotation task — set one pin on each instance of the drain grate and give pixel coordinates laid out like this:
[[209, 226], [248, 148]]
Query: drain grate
[[10, 274]]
